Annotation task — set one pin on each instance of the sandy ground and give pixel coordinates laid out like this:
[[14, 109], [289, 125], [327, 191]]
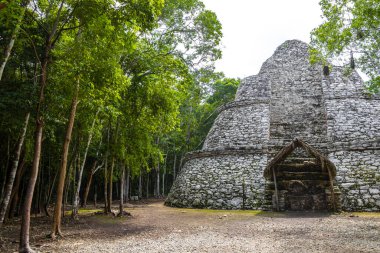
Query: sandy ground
[[156, 228]]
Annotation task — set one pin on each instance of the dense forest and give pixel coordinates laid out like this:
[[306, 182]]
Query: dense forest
[[100, 100]]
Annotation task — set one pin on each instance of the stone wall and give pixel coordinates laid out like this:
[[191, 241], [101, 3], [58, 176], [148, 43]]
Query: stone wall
[[217, 182], [240, 126], [353, 119], [358, 177], [296, 109], [353, 132]]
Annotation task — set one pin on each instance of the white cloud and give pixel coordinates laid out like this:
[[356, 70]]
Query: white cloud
[[254, 29]]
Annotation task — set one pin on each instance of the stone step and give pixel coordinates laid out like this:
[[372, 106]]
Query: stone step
[[304, 175], [282, 183]]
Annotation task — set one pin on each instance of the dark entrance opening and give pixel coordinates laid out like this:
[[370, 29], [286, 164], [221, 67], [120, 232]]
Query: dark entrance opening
[[302, 182]]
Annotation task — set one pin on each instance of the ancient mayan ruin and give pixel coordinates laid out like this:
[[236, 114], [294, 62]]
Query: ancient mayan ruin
[[293, 139]]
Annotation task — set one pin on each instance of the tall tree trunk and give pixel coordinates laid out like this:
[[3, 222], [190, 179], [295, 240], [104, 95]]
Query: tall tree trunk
[[56, 228], [16, 185], [76, 198], [110, 186], [95, 195], [140, 184], [24, 245], [25, 222], [88, 185], [50, 193], [36, 202], [180, 163], [147, 185], [105, 186], [158, 181], [121, 206], [106, 169], [9, 47], [71, 165], [174, 164], [6, 167], [127, 185], [163, 175], [12, 174], [114, 140]]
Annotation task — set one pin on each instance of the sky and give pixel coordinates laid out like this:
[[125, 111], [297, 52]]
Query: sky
[[253, 29]]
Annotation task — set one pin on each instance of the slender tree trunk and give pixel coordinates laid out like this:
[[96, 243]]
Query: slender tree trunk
[[174, 164], [117, 189], [36, 202], [15, 191], [95, 195], [6, 167], [88, 185], [127, 185], [114, 140], [110, 186], [76, 200], [140, 184], [121, 206], [106, 169], [180, 164], [25, 221], [9, 186], [56, 228], [163, 176], [24, 245], [50, 193], [68, 182], [158, 181], [105, 186], [71, 165], [147, 185]]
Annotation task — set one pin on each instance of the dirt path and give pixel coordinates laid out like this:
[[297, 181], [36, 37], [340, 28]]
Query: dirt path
[[156, 228]]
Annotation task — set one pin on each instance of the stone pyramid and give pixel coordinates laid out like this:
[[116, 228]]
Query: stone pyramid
[[289, 102]]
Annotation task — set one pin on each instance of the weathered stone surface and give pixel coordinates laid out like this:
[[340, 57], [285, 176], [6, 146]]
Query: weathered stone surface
[[287, 99]]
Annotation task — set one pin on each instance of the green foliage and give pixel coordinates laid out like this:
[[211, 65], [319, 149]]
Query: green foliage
[[145, 70], [350, 27]]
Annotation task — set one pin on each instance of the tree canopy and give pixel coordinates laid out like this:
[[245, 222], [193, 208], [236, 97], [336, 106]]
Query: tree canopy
[[350, 30]]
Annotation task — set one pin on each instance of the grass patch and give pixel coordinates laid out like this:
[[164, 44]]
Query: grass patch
[[363, 214], [108, 219], [83, 212]]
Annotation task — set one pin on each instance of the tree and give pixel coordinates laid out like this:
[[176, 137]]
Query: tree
[[350, 30], [18, 15]]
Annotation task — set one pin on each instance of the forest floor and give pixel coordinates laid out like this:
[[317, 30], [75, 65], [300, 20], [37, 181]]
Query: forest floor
[[156, 228]]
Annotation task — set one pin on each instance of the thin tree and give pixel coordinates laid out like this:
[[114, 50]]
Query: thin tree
[[122, 181], [12, 174], [52, 37], [76, 197], [56, 228]]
